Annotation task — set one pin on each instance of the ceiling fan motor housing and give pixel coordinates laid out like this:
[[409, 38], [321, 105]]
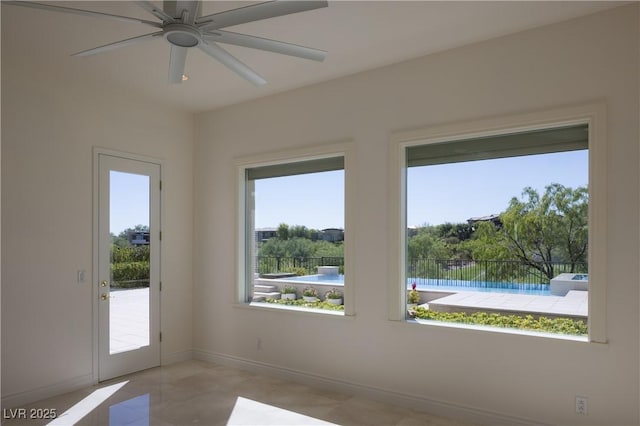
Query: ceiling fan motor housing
[[182, 35]]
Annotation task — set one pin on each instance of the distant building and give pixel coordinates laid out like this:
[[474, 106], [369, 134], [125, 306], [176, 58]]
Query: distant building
[[264, 234], [332, 234], [139, 238], [493, 218]]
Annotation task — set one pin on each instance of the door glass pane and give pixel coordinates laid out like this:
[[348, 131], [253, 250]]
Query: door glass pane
[[129, 261]]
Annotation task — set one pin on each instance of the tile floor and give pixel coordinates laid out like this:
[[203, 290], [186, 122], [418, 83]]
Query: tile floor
[[201, 393]]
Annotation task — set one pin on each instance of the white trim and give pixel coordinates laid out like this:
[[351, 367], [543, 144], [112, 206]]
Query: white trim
[[344, 149], [432, 406], [21, 399], [97, 151], [490, 329], [593, 114], [293, 310]]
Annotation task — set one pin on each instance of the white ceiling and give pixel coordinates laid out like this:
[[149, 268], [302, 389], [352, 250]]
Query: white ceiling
[[358, 35]]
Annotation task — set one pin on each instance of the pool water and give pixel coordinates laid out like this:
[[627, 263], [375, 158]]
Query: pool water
[[442, 284], [331, 279], [481, 286]]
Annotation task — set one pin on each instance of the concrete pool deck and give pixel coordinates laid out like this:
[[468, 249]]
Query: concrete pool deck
[[574, 304], [129, 319]]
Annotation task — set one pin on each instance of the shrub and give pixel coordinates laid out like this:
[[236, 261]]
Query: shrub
[[310, 292], [414, 295], [288, 289], [129, 254], [526, 322], [333, 294], [302, 303], [298, 270], [129, 271]]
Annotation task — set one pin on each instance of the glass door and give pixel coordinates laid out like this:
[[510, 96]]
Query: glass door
[[128, 265]]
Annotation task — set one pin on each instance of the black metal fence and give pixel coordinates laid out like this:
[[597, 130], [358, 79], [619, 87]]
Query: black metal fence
[[514, 271], [451, 269], [299, 265]]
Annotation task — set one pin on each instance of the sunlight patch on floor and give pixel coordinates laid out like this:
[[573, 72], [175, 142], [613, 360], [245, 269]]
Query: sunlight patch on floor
[[249, 412], [74, 414]]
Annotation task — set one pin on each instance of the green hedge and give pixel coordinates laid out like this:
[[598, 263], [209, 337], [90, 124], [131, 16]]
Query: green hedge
[[129, 254], [527, 322], [127, 274]]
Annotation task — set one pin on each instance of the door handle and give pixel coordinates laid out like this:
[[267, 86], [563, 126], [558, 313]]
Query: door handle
[[103, 283], [104, 296]]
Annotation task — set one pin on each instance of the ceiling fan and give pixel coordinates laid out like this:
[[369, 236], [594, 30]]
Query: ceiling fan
[[183, 27]]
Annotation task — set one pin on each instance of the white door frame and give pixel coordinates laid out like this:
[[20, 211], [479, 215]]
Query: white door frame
[[96, 289]]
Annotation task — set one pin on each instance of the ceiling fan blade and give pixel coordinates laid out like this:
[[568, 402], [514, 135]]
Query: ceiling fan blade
[[232, 63], [117, 44], [254, 42], [155, 11], [177, 60], [256, 12], [53, 8]]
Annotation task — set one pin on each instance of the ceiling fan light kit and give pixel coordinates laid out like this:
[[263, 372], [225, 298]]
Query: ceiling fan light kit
[[182, 35], [184, 29]]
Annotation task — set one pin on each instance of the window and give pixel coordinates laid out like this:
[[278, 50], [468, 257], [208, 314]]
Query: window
[[293, 233], [497, 229]]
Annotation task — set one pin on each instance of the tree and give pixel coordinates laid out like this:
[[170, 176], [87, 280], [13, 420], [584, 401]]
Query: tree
[[299, 231], [273, 247], [283, 232], [540, 230], [489, 249], [427, 245], [487, 243], [454, 232]]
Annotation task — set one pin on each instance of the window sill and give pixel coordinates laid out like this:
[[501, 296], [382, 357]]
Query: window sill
[[292, 309], [489, 329]]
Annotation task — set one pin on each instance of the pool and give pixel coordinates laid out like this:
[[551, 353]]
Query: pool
[[439, 284], [311, 279], [481, 286]]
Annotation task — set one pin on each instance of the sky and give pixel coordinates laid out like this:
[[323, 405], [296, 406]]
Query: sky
[[458, 191], [436, 194], [315, 200], [129, 201]]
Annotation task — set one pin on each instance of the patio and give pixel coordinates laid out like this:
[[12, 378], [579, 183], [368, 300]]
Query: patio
[[574, 304], [129, 319]]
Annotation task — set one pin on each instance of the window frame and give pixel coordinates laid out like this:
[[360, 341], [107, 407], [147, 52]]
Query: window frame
[[244, 240], [592, 114]]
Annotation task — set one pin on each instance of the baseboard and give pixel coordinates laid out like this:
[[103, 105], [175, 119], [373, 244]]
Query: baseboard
[[436, 407], [20, 399], [174, 357]]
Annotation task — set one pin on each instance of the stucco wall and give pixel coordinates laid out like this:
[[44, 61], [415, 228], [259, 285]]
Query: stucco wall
[[594, 58]]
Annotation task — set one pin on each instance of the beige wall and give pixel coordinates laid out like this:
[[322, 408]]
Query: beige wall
[[51, 122], [50, 125], [590, 59]]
